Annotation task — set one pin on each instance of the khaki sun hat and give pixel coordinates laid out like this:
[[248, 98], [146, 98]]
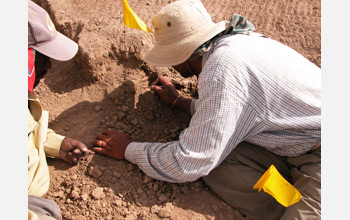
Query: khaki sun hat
[[43, 37], [179, 29]]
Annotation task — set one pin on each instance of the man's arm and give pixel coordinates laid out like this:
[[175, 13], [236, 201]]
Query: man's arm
[[167, 92], [215, 129]]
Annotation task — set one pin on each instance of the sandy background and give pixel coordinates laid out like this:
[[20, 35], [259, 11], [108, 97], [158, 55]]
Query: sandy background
[[106, 86]]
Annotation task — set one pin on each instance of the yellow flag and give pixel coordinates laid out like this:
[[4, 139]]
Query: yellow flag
[[274, 184], [132, 20]]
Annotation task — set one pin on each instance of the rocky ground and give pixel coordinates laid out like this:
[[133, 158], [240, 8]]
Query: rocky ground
[[107, 86]]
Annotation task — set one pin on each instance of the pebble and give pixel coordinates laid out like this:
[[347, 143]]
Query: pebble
[[102, 122], [129, 167], [79, 217], [134, 121], [98, 193], [75, 195], [118, 203], [59, 194], [117, 174], [155, 209], [98, 108], [165, 212], [84, 196], [162, 198], [115, 118], [95, 172], [147, 179]]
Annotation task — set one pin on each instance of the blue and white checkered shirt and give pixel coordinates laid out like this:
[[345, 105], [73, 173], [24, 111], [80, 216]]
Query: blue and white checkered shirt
[[251, 89]]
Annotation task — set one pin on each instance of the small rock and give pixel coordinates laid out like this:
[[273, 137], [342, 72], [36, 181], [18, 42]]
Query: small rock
[[95, 172], [129, 167], [66, 128], [117, 174], [59, 194], [118, 203], [155, 187], [121, 126], [109, 124], [147, 179], [166, 211], [134, 121], [162, 198], [79, 217], [143, 216], [67, 215], [74, 177], [98, 193], [74, 195], [215, 208], [115, 118], [120, 115], [84, 197], [98, 108], [155, 209]]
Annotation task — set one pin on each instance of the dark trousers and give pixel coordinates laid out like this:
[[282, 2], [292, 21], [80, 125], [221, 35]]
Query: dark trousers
[[233, 181]]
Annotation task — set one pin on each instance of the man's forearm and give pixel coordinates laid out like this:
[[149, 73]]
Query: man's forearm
[[184, 103]]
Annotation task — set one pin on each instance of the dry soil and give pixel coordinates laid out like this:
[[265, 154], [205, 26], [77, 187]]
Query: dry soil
[[106, 86]]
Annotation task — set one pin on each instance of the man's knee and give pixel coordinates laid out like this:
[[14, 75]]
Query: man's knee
[[234, 184], [44, 207]]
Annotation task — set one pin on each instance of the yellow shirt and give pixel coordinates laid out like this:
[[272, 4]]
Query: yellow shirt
[[42, 142]]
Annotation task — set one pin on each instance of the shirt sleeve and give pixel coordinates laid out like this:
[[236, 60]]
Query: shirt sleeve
[[32, 215], [53, 143], [217, 126]]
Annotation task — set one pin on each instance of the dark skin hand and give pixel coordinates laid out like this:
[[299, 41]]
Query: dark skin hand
[[169, 93], [112, 143], [72, 150]]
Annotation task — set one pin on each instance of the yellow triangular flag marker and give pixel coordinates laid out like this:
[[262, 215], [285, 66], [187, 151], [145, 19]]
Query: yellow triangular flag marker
[[274, 184], [132, 20]]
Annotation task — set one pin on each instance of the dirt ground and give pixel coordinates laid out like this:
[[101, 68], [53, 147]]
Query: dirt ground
[[107, 86]]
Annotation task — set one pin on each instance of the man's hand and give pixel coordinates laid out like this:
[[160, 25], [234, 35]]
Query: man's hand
[[112, 143], [71, 150], [167, 92]]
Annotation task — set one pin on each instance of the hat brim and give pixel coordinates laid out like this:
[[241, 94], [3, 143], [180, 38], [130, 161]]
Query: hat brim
[[177, 53], [62, 48]]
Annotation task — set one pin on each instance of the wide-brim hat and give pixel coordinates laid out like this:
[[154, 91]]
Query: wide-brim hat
[[43, 36], [179, 29]]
